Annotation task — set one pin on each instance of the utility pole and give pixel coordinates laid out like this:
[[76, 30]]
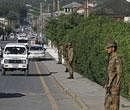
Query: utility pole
[[54, 6], [86, 9], [48, 8], [58, 7], [41, 18]]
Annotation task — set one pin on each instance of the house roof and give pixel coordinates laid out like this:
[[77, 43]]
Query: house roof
[[73, 5]]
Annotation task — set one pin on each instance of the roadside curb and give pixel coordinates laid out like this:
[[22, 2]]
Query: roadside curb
[[76, 98]]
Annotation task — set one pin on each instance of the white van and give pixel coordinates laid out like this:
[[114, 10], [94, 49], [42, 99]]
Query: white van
[[15, 57]]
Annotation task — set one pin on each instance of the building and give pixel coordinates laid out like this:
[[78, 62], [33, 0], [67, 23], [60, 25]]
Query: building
[[87, 7], [3, 22], [72, 7], [79, 8]]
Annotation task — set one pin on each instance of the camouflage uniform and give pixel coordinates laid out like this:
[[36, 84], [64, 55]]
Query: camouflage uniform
[[65, 56], [70, 61], [114, 70], [60, 49]]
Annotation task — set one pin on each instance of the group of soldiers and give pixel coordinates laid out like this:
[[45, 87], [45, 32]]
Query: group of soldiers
[[67, 52], [114, 72]]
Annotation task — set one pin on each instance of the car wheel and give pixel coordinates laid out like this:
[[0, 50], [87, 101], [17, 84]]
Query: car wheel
[[3, 71]]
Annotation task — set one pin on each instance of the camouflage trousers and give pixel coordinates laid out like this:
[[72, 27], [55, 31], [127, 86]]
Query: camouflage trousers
[[112, 102], [70, 68], [66, 64], [60, 58]]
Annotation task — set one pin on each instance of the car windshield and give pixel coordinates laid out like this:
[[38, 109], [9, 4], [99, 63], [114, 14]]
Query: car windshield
[[22, 41], [33, 48], [15, 50]]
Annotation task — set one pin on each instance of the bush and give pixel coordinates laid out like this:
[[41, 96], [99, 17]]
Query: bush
[[89, 37]]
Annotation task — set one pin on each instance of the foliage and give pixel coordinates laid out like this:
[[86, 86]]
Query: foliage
[[89, 36], [59, 27]]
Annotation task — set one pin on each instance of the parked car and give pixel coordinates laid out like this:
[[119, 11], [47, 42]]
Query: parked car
[[36, 52], [15, 57]]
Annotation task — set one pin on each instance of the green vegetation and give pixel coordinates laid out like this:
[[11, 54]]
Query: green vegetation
[[89, 37]]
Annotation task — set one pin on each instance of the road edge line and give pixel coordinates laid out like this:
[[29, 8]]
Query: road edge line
[[75, 97], [47, 91]]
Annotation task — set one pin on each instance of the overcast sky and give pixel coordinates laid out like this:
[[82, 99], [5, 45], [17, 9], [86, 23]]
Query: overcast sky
[[128, 0]]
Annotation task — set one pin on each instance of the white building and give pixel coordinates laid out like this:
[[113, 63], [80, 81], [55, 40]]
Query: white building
[[72, 7], [3, 22]]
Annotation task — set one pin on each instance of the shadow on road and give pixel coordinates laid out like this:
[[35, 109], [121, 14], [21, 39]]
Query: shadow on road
[[53, 72], [30, 75], [11, 95], [43, 59]]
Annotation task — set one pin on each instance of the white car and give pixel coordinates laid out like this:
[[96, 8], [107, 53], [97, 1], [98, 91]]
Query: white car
[[15, 57], [23, 40], [36, 52]]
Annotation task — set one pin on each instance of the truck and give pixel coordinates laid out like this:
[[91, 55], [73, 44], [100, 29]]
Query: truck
[[15, 57]]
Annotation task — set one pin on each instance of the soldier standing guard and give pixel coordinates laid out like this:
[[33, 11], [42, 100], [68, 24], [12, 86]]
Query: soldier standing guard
[[114, 71], [70, 61], [60, 51], [65, 55]]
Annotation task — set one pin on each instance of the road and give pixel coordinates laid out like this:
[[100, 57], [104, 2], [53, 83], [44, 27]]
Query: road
[[37, 91]]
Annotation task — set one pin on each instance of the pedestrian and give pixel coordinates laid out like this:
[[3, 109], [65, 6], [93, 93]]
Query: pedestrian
[[114, 72], [70, 61]]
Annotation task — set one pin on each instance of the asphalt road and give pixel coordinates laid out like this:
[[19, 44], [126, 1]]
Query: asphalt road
[[37, 91]]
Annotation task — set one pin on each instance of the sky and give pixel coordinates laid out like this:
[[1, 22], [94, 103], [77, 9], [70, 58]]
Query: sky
[[128, 0]]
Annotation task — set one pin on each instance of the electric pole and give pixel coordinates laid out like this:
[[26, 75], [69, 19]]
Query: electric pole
[[48, 8], [54, 6], [86, 14], [58, 7], [41, 19]]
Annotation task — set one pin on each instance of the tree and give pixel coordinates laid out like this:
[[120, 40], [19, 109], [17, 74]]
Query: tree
[[12, 18]]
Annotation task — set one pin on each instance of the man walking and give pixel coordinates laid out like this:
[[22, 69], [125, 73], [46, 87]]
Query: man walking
[[114, 72]]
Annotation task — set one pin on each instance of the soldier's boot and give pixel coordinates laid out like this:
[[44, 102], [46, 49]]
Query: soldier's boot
[[59, 62], [71, 76], [66, 70]]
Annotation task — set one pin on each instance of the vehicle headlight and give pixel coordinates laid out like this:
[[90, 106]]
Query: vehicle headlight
[[24, 61], [6, 61]]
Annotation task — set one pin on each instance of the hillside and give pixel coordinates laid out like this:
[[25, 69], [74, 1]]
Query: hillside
[[17, 5], [122, 7]]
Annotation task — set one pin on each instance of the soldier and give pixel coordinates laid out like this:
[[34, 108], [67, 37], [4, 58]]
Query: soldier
[[60, 49], [114, 71], [65, 56], [70, 61]]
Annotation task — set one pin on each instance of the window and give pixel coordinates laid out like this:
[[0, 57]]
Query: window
[[33, 48], [22, 41], [15, 50]]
